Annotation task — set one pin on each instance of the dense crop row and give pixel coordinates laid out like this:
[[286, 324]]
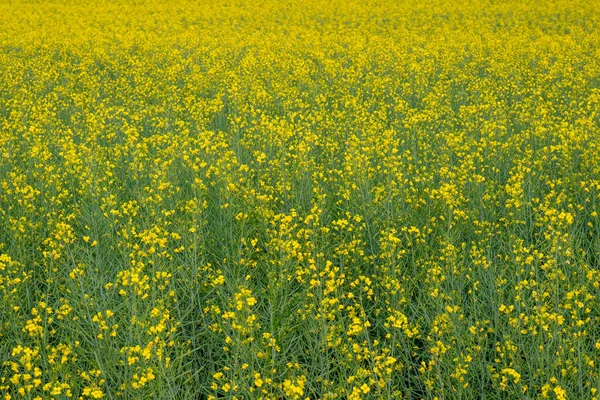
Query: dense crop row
[[300, 199]]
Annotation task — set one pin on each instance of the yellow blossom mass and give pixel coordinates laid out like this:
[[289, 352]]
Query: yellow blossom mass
[[276, 199]]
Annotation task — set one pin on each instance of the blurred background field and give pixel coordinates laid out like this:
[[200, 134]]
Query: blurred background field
[[275, 199]]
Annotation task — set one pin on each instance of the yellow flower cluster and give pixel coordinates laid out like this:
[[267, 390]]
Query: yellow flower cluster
[[374, 199]]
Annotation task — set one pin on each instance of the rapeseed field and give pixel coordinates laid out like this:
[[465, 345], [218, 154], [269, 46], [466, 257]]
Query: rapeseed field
[[276, 199]]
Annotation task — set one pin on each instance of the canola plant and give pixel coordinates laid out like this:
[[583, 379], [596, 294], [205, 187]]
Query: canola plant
[[276, 199]]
